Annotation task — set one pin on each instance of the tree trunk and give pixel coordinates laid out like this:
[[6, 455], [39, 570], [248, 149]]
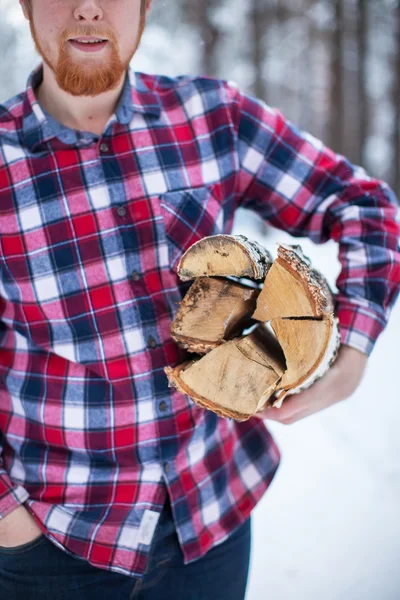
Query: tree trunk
[[362, 48], [308, 70], [8, 53], [396, 103], [337, 104], [259, 27], [198, 14]]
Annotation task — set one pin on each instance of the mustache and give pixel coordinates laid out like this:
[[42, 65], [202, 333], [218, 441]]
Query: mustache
[[88, 32]]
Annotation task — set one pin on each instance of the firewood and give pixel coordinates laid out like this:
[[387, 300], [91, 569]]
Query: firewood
[[293, 288], [225, 255], [310, 347], [214, 309], [238, 377], [234, 380]]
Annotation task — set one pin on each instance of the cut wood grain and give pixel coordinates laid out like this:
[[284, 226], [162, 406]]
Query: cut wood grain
[[310, 347], [225, 255], [293, 288], [213, 310], [234, 380]]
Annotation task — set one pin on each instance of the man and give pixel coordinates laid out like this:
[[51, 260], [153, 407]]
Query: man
[[112, 485]]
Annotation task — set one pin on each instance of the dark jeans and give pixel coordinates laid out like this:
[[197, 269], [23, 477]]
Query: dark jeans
[[39, 570]]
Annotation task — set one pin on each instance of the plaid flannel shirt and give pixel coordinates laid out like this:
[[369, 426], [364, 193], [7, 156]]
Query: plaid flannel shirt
[[91, 232]]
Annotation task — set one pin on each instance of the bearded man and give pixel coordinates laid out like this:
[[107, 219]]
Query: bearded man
[[113, 485]]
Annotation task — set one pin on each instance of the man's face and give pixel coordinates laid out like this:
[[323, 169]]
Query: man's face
[[81, 73]]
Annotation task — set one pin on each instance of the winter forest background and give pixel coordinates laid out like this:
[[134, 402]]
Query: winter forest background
[[331, 66], [329, 527]]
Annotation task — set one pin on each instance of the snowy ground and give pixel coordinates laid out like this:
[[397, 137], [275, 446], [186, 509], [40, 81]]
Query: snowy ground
[[329, 526]]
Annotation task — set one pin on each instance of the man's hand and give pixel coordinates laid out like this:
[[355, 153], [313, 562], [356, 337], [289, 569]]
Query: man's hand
[[18, 528], [342, 379]]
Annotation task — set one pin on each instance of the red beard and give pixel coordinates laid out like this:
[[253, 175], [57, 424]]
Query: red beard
[[80, 79]]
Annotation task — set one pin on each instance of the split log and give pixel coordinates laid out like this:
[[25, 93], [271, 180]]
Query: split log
[[310, 347], [213, 310], [234, 380], [237, 378], [293, 288], [225, 256]]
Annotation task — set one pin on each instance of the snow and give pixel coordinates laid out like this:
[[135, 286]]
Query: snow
[[329, 526]]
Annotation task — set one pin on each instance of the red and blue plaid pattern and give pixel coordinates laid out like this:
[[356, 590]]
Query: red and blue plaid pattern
[[91, 231]]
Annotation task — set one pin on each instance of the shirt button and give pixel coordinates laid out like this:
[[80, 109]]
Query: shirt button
[[166, 467], [104, 147], [151, 342], [163, 406], [121, 211], [135, 276]]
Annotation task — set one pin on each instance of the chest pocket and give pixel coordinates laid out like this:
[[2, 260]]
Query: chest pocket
[[190, 215]]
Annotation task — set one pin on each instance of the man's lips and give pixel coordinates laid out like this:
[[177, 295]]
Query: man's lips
[[91, 47]]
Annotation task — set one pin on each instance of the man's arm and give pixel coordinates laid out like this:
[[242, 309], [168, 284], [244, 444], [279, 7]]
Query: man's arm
[[11, 496], [300, 186], [17, 526]]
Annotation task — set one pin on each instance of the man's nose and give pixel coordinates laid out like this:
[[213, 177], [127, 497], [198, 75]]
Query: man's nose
[[88, 10]]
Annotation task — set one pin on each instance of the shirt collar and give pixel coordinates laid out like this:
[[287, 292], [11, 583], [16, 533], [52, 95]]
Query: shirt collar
[[40, 127]]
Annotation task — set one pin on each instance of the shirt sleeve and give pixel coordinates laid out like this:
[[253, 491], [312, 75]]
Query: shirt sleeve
[[300, 186]]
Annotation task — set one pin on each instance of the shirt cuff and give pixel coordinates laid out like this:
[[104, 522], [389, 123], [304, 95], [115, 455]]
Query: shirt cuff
[[360, 326], [11, 497]]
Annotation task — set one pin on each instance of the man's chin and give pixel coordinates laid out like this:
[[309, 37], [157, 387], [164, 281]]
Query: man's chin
[[87, 80], [88, 87]]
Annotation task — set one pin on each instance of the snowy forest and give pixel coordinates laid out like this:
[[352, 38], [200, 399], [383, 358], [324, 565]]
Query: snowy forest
[[331, 66]]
